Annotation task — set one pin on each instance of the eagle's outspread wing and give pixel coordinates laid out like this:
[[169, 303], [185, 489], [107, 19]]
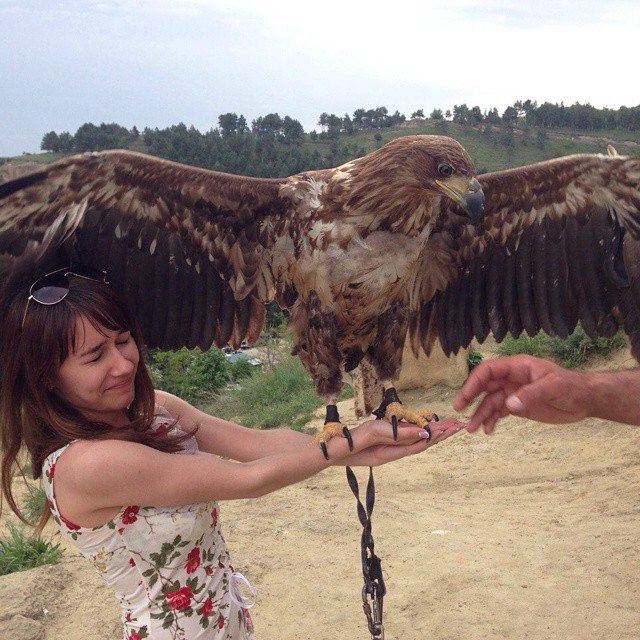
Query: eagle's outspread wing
[[191, 248], [558, 244]]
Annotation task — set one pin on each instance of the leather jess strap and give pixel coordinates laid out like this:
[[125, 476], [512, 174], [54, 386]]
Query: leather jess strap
[[374, 588]]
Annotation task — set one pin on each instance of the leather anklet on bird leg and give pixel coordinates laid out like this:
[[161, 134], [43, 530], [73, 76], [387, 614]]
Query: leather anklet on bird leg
[[391, 408], [332, 426]]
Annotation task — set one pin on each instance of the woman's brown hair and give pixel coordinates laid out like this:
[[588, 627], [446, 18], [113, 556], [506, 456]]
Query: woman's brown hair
[[31, 413]]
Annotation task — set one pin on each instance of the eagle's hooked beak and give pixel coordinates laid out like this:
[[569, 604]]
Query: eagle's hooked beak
[[467, 193]]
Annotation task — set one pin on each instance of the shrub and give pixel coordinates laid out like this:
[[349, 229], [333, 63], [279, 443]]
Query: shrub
[[34, 503], [191, 375], [20, 551], [473, 359], [280, 396], [573, 352], [240, 369]]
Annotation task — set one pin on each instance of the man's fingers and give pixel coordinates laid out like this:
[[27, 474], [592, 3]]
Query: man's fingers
[[490, 424], [489, 374], [522, 401], [491, 403]]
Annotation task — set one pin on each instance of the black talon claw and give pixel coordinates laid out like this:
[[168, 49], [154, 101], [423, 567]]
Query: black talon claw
[[394, 425], [325, 453], [435, 418], [428, 430], [347, 435]]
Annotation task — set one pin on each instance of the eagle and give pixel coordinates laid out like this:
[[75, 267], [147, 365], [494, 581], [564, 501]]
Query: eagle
[[406, 241]]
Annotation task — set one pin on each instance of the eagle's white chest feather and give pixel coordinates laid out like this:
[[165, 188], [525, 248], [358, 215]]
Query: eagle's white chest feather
[[365, 275]]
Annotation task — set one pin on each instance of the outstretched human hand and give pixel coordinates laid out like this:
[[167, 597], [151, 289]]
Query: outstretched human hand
[[525, 386], [409, 441]]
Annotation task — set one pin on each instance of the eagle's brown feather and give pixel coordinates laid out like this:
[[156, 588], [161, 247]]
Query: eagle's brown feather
[[358, 254], [547, 254]]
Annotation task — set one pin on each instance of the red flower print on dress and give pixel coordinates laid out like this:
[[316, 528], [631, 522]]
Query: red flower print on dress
[[180, 598], [214, 517], [220, 622], [129, 514], [132, 562], [68, 523], [52, 469], [134, 636], [206, 608], [208, 570], [162, 428], [194, 560]]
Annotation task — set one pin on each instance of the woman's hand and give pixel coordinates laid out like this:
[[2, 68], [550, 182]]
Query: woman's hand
[[382, 448]]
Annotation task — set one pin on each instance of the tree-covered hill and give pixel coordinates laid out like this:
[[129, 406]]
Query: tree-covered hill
[[273, 146]]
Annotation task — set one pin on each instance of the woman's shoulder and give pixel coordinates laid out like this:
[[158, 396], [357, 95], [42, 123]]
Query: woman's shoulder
[[166, 404]]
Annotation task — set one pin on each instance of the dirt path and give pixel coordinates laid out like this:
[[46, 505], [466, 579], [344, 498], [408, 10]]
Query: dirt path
[[531, 533]]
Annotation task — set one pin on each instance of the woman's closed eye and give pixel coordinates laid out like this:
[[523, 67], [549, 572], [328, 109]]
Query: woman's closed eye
[[121, 342]]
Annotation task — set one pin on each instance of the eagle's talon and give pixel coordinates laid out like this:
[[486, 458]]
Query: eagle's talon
[[325, 453], [347, 435], [394, 426]]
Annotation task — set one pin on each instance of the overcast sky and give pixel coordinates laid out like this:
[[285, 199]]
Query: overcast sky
[[159, 62]]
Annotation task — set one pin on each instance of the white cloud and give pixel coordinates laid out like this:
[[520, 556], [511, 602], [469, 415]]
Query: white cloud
[[155, 62]]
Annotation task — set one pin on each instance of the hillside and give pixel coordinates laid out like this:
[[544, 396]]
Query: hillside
[[489, 149]]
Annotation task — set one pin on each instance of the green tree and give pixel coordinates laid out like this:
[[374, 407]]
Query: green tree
[[493, 117], [461, 114], [66, 142], [418, 114], [510, 116], [436, 114], [50, 142], [541, 138], [507, 137], [476, 115], [228, 124], [292, 130]]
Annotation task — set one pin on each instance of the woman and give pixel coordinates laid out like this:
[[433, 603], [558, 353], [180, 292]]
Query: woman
[[75, 392]]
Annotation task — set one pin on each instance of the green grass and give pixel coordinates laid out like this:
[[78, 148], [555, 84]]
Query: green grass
[[20, 551], [33, 504], [575, 351], [490, 155], [281, 396], [473, 359]]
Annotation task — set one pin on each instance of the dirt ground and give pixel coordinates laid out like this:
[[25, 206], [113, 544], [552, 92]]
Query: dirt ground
[[531, 533]]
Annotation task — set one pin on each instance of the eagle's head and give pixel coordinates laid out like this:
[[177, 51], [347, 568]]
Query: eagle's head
[[441, 167], [414, 168]]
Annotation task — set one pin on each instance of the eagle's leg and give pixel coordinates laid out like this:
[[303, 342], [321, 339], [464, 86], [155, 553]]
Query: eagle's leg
[[332, 427], [392, 409], [385, 354]]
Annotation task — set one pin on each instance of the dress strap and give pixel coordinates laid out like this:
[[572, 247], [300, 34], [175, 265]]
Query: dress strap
[[48, 474]]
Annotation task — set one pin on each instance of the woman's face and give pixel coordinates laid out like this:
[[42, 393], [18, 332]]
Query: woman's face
[[97, 378]]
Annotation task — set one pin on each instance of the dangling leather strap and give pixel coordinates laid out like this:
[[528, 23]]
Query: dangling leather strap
[[374, 589]]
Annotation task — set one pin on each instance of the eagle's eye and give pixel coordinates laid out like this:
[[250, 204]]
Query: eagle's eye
[[445, 170]]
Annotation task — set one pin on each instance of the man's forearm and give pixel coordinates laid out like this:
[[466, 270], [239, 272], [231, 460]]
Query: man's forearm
[[615, 395]]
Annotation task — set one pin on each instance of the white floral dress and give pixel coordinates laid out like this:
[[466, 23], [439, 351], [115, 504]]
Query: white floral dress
[[169, 566]]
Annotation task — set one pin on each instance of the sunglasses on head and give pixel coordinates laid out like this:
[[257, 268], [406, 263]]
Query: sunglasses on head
[[54, 287]]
